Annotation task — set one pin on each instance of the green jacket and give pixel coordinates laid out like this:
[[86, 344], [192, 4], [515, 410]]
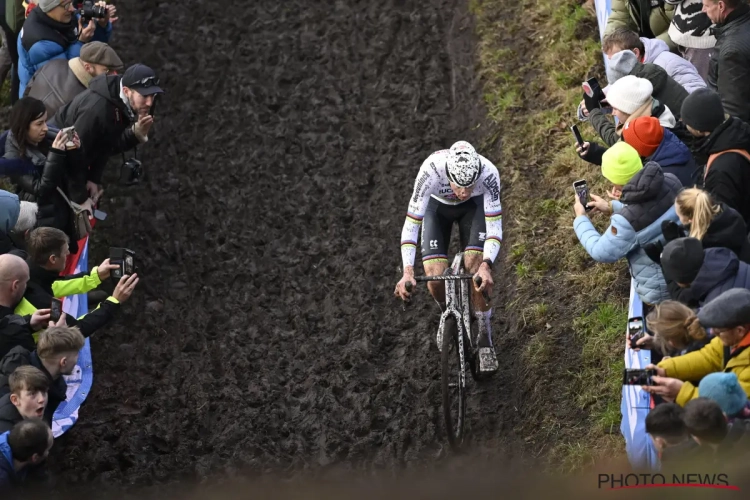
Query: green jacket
[[625, 13]]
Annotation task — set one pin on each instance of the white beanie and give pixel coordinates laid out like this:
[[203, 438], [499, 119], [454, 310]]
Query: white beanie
[[629, 93]]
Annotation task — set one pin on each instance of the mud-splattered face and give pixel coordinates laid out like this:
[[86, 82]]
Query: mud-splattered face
[[462, 193]]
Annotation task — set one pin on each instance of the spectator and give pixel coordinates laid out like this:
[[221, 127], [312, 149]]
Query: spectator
[[630, 97], [653, 143], [708, 426], [725, 389], [27, 397], [729, 316], [16, 330], [56, 355], [27, 140], [645, 197], [676, 328], [729, 70], [653, 51], [665, 89], [59, 81], [48, 251], [690, 31], [727, 174], [112, 116], [53, 31], [648, 19], [25, 446], [16, 219], [696, 276], [668, 432]]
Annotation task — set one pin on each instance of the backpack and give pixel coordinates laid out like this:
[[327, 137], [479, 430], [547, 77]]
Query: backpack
[[711, 158]]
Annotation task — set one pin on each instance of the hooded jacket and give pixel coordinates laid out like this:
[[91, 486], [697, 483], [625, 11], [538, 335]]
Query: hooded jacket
[[646, 201], [722, 270], [729, 69], [10, 208], [15, 331], [728, 230], [728, 178], [714, 357], [105, 125], [682, 70], [640, 16]]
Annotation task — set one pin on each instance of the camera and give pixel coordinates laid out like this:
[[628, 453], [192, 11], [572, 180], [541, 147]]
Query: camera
[[131, 171], [123, 257], [89, 10], [635, 331], [635, 376]]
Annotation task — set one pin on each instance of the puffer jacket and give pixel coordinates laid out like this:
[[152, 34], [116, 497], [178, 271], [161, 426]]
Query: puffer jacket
[[674, 157], [729, 69], [653, 23], [714, 357], [682, 70], [646, 201]]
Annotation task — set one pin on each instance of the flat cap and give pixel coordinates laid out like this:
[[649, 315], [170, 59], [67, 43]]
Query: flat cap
[[101, 53], [728, 310]]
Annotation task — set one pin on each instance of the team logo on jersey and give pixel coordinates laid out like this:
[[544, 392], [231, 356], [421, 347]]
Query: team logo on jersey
[[482, 236], [433, 244], [491, 184], [420, 185]]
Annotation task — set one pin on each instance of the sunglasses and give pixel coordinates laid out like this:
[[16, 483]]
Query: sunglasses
[[146, 82]]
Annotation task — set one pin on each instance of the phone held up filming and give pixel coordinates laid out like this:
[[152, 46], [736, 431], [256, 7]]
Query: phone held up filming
[[582, 190], [125, 259]]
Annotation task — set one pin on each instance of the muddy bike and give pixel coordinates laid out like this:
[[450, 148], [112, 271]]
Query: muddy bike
[[457, 340]]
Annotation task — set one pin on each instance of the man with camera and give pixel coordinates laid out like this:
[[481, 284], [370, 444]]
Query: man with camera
[[114, 115], [59, 81], [55, 30]]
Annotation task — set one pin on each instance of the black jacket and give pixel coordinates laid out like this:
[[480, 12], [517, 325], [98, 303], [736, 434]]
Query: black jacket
[[728, 178], [721, 271], [729, 70], [21, 357], [9, 415], [728, 230], [15, 331], [39, 26], [104, 124]]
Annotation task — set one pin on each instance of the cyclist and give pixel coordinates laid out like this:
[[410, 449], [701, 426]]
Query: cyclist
[[456, 185]]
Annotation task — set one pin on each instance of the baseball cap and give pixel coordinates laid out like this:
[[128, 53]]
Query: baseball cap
[[142, 79]]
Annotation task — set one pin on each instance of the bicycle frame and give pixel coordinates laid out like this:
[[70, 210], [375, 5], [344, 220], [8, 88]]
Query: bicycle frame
[[457, 304]]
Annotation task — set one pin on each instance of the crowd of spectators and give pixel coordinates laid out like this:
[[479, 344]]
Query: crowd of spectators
[[675, 148], [74, 106]]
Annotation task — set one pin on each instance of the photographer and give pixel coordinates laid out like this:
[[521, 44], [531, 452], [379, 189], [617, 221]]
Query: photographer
[[59, 81], [112, 116], [729, 317], [54, 30], [27, 139]]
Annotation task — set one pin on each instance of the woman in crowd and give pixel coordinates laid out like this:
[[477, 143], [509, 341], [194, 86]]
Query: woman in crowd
[[48, 164], [676, 329]]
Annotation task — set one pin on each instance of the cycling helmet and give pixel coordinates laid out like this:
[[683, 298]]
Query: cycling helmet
[[463, 166]]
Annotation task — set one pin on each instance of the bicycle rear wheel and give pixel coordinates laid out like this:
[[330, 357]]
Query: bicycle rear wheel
[[453, 384]]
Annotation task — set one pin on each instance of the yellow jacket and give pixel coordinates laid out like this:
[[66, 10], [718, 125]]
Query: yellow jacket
[[713, 357]]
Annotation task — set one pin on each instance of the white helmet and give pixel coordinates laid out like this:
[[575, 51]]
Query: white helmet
[[463, 167]]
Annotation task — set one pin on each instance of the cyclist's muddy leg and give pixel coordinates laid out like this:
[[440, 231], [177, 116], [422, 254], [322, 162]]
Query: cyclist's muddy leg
[[488, 363], [437, 288], [472, 261]]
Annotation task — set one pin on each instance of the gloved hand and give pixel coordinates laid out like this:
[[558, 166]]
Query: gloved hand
[[671, 230], [654, 250], [591, 102]]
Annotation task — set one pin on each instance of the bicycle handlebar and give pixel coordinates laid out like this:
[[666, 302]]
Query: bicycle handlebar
[[450, 277]]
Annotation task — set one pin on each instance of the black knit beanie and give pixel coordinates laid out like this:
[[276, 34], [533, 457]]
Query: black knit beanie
[[702, 110]]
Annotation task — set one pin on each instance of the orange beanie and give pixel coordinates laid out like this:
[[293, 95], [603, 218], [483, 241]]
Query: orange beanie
[[644, 134]]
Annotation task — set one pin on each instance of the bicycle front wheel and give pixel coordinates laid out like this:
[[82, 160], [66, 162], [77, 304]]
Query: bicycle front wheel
[[454, 383]]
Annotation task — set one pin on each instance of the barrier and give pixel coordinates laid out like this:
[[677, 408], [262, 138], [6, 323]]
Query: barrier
[[80, 381], [635, 403]]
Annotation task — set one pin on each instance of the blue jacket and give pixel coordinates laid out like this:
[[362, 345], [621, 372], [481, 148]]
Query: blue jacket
[[674, 157], [646, 201], [722, 270], [43, 39], [8, 476]]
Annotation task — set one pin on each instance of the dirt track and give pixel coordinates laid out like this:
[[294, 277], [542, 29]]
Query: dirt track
[[284, 155]]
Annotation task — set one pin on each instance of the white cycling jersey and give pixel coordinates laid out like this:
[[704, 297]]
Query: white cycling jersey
[[432, 182]]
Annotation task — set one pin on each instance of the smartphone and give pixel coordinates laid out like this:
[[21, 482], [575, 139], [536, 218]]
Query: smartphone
[[99, 215], [582, 190], [153, 106], [577, 134], [56, 310], [69, 134], [593, 89], [123, 257], [635, 376], [635, 331]]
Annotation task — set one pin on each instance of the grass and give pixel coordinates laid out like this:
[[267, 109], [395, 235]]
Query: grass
[[532, 61]]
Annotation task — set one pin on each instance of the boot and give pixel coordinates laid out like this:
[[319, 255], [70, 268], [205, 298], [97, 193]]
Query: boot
[[488, 364]]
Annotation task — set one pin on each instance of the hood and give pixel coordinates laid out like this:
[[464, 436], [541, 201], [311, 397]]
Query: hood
[[654, 48], [619, 65], [732, 134], [108, 87], [726, 230], [42, 276], [719, 265], [644, 186], [10, 207], [671, 152]]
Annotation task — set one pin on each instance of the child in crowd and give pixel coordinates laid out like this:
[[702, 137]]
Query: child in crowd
[[725, 389], [27, 397], [668, 431]]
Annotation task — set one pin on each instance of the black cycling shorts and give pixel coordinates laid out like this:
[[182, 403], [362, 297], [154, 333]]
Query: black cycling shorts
[[438, 222]]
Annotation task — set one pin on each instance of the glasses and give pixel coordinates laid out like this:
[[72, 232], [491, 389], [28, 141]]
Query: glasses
[[146, 82]]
